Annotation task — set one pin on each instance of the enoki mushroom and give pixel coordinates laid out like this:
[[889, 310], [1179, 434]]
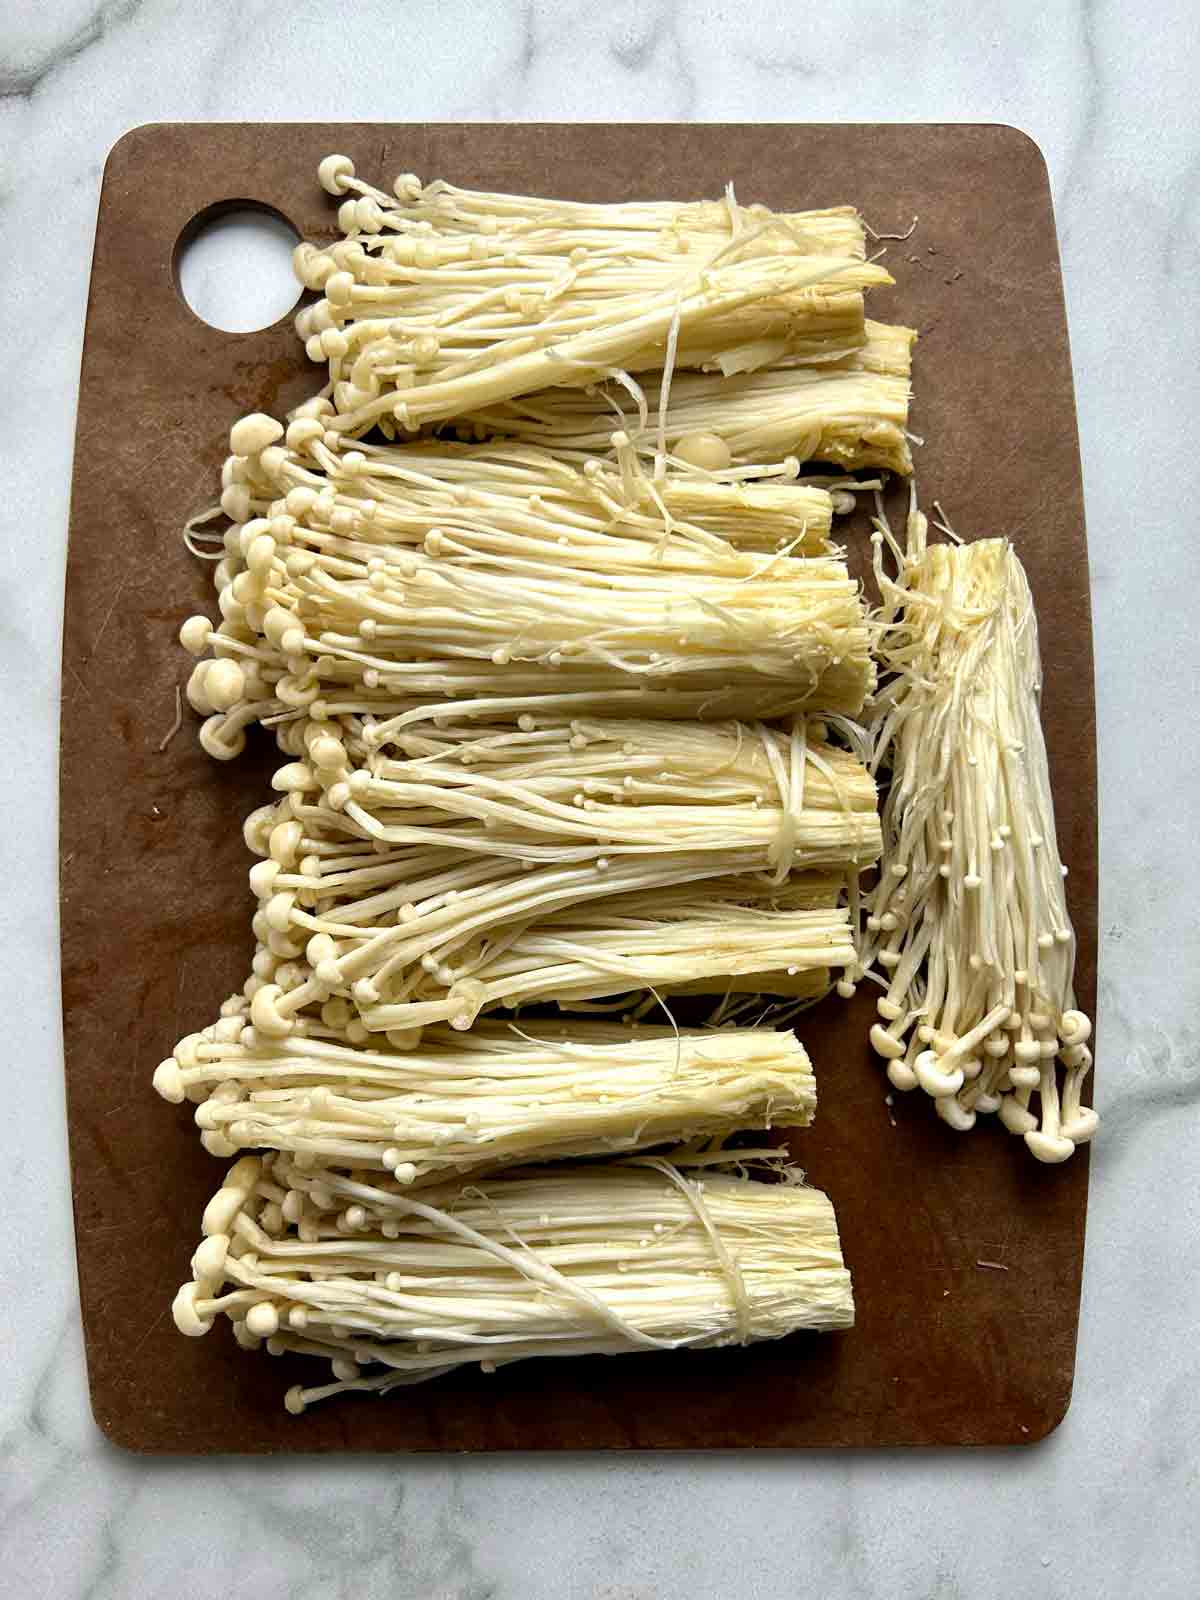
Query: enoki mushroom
[[558, 790], [445, 564], [415, 934], [392, 1287], [968, 927], [459, 1103], [438, 302], [852, 412], [511, 492]]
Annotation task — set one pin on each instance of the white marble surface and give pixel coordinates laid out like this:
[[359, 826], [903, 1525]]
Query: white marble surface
[[1107, 1507]]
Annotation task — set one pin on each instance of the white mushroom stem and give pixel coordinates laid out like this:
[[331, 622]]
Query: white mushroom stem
[[643, 1255], [425, 936], [969, 924], [655, 230], [720, 308], [795, 622]]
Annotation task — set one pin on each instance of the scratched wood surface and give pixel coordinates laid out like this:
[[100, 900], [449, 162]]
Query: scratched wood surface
[[155, 908]]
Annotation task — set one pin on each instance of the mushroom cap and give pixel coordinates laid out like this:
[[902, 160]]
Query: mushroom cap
[[1048, 1147]]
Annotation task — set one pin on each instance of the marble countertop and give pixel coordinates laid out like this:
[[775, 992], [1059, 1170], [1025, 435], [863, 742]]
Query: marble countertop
[[1106, 1507]]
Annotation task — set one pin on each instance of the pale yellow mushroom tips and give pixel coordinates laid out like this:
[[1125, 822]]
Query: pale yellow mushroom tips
[[968, 928], [392, 1287]]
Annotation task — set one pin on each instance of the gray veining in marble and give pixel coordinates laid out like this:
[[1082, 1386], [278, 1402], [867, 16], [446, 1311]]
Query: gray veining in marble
[[1107, 1507]]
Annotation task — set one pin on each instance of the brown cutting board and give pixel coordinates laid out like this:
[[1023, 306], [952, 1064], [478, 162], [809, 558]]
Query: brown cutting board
[[155, 907]]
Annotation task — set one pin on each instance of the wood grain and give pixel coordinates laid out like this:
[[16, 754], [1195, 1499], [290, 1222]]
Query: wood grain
[[155, 909]]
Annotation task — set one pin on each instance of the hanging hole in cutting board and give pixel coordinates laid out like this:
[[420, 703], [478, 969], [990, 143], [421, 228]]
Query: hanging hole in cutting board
[[233, 266]]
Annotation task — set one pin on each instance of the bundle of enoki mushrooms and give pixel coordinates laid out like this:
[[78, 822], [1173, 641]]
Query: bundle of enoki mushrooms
[[392, 1286], [467, 866], [968, 928], [464, 938], [391, 582], [541, 600], [851, 412], [456, 1103], [439, 302]]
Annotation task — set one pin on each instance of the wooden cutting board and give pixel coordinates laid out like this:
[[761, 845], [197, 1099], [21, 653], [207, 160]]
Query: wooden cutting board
[[155, 907]]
